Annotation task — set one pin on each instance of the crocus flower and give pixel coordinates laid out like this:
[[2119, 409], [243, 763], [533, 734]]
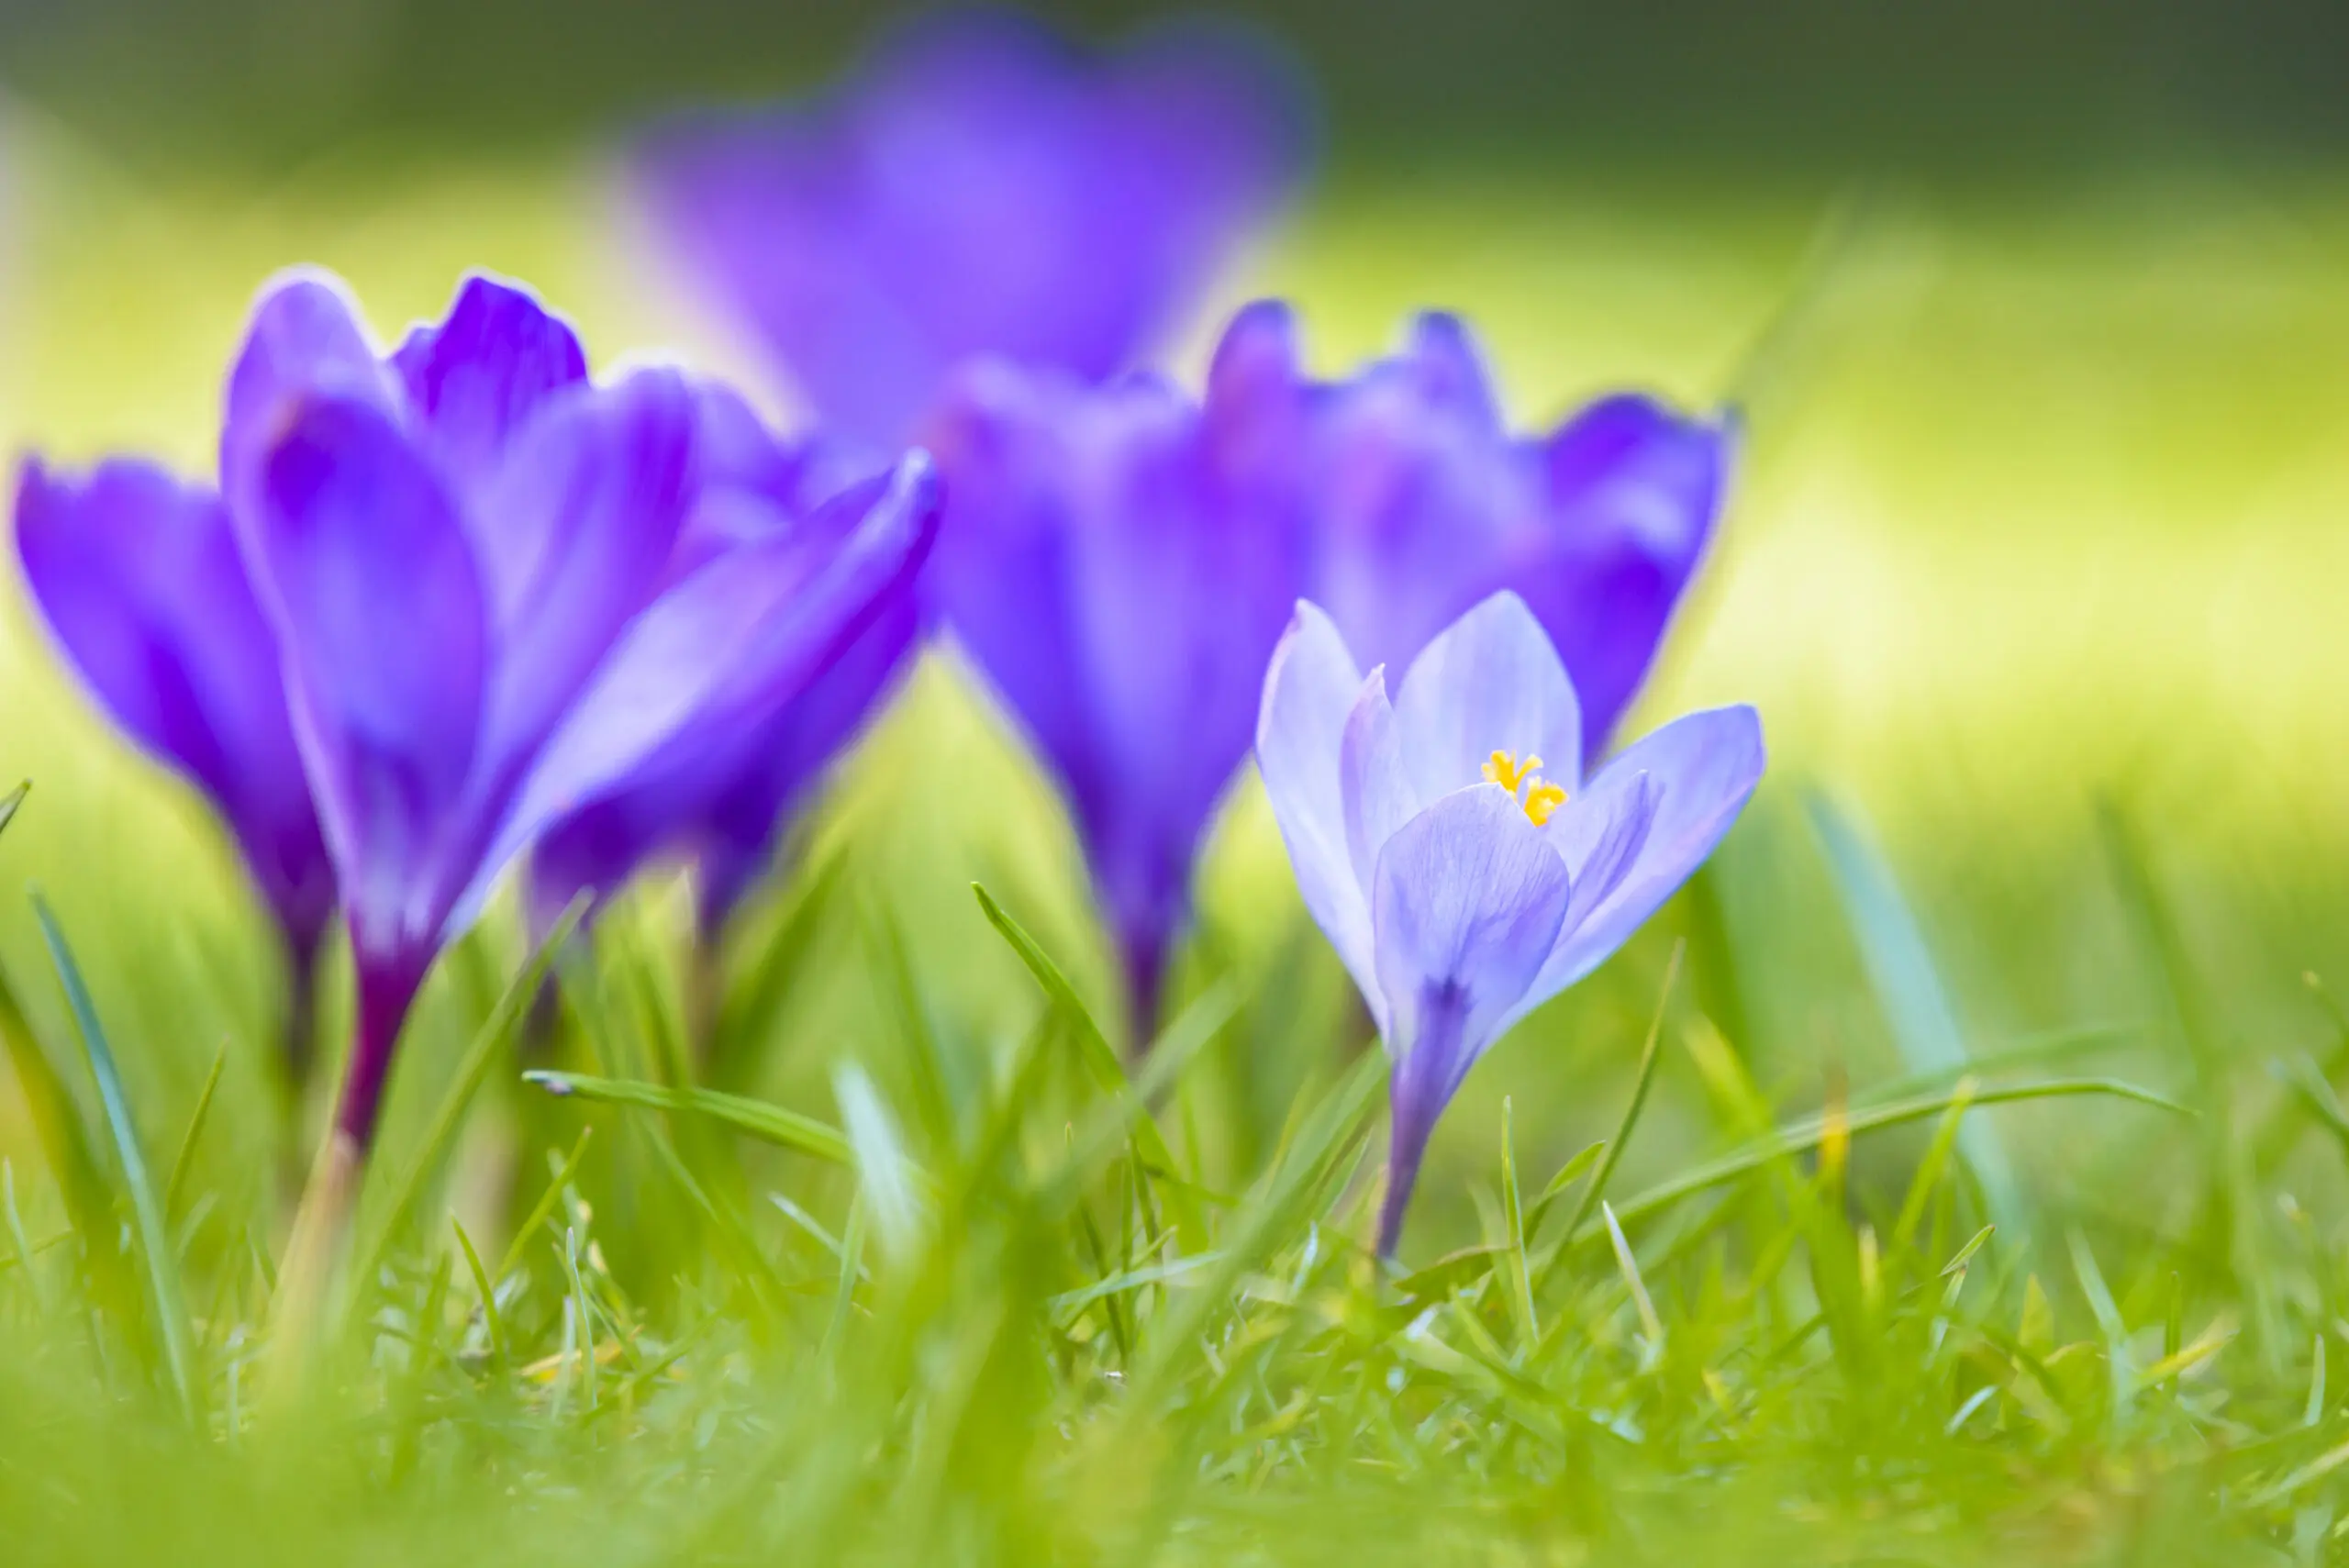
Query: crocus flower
[[723, 786], [1103, 565], [138, 577], [470, 556], [1449, 847], [978, 187], [1417, 502]]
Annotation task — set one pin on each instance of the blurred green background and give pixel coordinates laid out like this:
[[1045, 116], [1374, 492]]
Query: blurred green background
[[2039, 315]]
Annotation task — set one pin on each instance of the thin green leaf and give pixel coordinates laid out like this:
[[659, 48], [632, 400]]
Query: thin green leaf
[[492, 1043], [146, 1204], [1807, 1135], [752, 1118], [183, 1161]]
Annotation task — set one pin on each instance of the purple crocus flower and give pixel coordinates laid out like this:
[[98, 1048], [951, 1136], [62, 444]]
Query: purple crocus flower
[[489, 604], [138, 577], [1448, 847], [1419, 502], [1104, 564], [979, 187], [721, 788]]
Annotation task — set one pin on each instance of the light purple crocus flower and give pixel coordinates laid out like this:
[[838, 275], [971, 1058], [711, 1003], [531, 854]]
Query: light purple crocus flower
[[1447, 845], [475, 563], [1104, 565], [721, 788], [138, 577], [1417, 502], [978, 187]]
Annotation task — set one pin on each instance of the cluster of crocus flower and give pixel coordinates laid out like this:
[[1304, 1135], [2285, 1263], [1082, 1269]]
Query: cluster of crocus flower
[[452, 601], [1119, 562], [460, 602]]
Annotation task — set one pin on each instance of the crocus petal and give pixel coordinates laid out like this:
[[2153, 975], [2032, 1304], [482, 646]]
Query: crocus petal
[[1690, 780], [306, 342], [139, 577], [721, 789], [1449, 371], [1467, 905], [1374, 785], [1310, 687], [574, 535], [475, 377], [723, 650], [1490, 681], [1468, 902], [1633, 491], [358, 555]]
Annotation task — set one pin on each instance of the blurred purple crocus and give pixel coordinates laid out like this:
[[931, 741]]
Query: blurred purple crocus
[[1104, 566], [491, 603], [1448, 847], [978, 187], [1417, 502], [721, 788], [138, 577]]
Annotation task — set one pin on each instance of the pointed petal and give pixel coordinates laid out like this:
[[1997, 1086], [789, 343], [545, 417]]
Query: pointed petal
[[1633, 491], [477, 376], [1688, 781], [574, 535], [1450, 372], [357, 554], [1468, 905], [1310, 687], [720, 653], [306, 340], [1490, 681], [1374, 785], [139, 578]]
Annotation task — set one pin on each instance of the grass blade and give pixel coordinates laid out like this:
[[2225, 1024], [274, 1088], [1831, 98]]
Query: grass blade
[[752, 1118], [1614, 1151], [1803, 1136], [1099, 1056], [1907, 986], [146, 1204], [494, 1041], [182, 1161]]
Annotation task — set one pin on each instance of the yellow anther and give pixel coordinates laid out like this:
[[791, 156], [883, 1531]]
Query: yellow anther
[[1540, 796], [1505, 769]]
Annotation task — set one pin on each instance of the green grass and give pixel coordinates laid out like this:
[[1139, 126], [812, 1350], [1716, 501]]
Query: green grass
[[2032, 573]]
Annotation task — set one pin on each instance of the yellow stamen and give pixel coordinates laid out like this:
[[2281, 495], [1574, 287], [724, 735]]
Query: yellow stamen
[[1540, 797], [1506, 771]]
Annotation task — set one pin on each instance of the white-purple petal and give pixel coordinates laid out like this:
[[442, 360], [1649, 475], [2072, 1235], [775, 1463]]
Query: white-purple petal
[[1688, 781], [1491, 681]]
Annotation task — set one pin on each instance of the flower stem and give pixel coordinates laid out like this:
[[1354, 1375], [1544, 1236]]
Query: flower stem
[[314, 1249]]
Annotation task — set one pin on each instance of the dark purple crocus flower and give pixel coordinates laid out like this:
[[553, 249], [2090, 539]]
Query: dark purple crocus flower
[[490, 605], [979, 187], [722, 787], [1447, 846], [1104, 565], [1419, 502], [138, 577]]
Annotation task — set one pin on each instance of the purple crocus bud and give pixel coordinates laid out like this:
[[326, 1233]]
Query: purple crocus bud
[[1447, 845], [474, 562], [1420, 503], [978, 187], [1105, 567], [721, 788], [138, 577]]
